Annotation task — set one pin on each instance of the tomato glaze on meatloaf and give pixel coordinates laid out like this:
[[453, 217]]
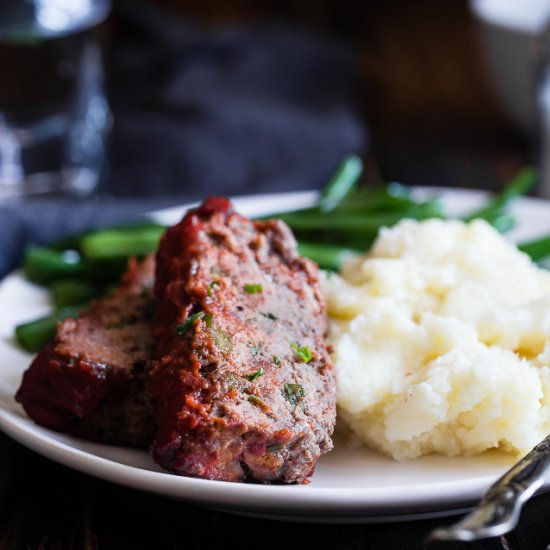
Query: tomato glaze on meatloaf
[[242, 380], [92, 379]]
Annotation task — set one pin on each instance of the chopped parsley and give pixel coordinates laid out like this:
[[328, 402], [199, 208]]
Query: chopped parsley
[[253, 375], [302, 352], [252, 288], [269, 315], [293, 393], [210, 289], [184, 327], [276, 360]]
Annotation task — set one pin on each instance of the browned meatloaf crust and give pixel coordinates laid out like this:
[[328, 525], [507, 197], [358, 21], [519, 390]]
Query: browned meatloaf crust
[[92, 380], [243, 383]]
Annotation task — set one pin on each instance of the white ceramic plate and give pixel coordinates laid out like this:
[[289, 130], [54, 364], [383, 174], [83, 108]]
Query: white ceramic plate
[[349, 485]]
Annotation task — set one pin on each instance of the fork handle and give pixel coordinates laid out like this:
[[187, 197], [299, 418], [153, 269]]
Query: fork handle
[[525, 477], [498, 512]]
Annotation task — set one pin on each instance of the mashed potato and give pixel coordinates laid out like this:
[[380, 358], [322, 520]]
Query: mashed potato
[[441, 341]]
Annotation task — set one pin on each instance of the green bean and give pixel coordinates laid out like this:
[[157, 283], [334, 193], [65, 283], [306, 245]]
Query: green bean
[[328, 257], [43, 265], [342, 183], [113, 244], [73, 242], [32, 336], [389, 192], [357, 223], [502, 221], [70, 292], [375, 204], [519, 185], [392, 197], [538, 249]]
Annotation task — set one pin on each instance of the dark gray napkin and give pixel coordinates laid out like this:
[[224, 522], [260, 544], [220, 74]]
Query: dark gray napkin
[[229, 109], [42, 221]]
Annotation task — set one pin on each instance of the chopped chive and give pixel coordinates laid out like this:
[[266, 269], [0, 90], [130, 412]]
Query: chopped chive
[[259, 402], [182, 328], [303, 352], [210, 289], [269, 315], [276, 360], [293, 393], [253, 375], [252, 288]]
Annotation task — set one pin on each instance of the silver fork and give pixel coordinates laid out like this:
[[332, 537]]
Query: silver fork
[[499, 509]]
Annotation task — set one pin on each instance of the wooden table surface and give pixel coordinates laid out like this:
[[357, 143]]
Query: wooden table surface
[[46, 506]]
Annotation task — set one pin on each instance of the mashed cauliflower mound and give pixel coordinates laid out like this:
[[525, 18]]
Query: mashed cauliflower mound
[[442, 342]]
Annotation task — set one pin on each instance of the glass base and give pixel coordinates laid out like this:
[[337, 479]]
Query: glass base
[[79, 182]]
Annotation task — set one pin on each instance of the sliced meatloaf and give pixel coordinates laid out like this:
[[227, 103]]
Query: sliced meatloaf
[[242, 380], [92, 380]]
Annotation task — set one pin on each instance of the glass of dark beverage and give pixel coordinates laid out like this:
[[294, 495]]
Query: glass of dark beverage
[[54, 115]]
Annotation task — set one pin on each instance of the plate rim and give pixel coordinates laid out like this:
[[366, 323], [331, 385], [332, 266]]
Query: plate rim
[[358, 503]]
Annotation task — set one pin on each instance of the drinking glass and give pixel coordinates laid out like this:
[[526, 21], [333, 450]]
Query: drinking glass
[[54, 115]]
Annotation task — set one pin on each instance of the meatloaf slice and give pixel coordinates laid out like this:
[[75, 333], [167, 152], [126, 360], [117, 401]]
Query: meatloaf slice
[[92, 380], [242, 381]]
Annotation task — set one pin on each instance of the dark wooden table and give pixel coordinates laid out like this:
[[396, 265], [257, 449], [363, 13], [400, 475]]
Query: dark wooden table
[[45, 506]]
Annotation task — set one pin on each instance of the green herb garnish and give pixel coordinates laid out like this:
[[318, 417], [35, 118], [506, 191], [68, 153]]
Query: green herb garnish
[[253, 288], [269, 315], [276, 360], [303, 352], [253, 375], [182, 328], [210, 289], [255, 400], [293, 393]]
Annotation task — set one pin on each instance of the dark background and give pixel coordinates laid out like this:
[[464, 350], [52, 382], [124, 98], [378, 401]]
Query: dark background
[[233, 96]]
